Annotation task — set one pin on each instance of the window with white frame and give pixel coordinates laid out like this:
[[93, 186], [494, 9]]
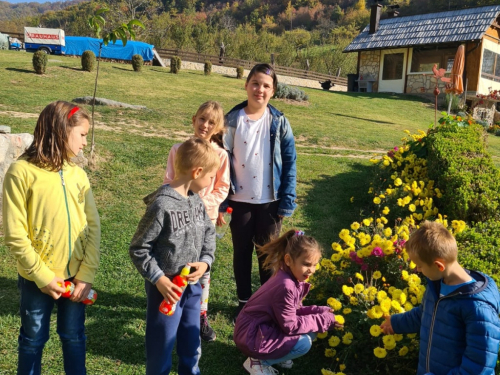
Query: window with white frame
[[491, 65]]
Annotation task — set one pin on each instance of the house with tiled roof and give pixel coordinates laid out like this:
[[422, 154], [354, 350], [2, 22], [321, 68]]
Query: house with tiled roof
[[397, 54]]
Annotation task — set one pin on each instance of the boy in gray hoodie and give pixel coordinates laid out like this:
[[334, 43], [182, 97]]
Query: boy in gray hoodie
[[175, 231]]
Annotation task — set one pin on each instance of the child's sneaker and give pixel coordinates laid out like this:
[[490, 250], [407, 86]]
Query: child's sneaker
[[206, 332], [255, 367], [286, 364]]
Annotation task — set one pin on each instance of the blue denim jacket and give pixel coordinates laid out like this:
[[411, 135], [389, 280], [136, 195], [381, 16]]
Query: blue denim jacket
[[284, 172]]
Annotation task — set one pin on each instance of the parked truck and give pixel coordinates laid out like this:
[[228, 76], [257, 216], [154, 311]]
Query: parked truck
[[50, 41]]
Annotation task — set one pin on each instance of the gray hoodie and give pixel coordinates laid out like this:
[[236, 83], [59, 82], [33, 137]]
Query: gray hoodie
[[174, 231]]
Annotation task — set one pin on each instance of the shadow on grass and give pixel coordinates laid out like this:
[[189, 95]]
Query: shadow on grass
[[364, 119], [9, 296], [328, 202], [72, 68], [127, 70], [21, 70], [382, 95]]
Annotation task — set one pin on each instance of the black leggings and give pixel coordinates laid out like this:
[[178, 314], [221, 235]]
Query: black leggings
[[251, 224]]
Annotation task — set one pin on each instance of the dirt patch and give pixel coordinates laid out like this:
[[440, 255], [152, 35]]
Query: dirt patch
[[19, 114]]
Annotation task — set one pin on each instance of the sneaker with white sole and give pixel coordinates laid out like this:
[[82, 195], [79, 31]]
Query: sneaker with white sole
[[206, 332], [255, 367], [286, 364]]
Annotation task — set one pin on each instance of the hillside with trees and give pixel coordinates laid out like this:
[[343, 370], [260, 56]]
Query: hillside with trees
[[300, 33]]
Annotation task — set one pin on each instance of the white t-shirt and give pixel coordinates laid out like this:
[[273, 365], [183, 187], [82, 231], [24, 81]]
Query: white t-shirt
[[252, 159]]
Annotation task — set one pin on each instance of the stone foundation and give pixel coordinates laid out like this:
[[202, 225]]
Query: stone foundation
[[423, 84], [369, 66]]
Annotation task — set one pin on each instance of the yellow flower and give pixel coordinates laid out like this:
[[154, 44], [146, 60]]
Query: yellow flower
[[404, 275], [336, 257], [412, 208], [366, 222], [355, 225], [347, 311], [376, 200], [385, 305], [411, 335], [398, 337], [342, 367], [397, 182], [339, 319], [358, 288], [389, 342], [375, 330], [347, 290], [336, 246], [388, 232], [386, 210], [359, 276], [335, 304], [412, 265], [330, 353], [379, 352], [333, 341], [381, 295], [347, 338], [403, 351], [353, 300], [322, 335], [352, 199], [377, 275]]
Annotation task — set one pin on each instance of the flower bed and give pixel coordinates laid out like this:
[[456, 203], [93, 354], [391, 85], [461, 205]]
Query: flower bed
[[369, 275]]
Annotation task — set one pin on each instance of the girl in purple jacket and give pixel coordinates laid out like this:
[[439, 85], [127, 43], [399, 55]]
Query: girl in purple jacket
[[274, 327]]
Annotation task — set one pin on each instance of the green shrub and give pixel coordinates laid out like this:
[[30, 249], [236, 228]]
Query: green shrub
[[88, 61], [287, 92], [137, 63], [239, 72], [175, 64], [40, 59], [207, 68], [463, 170], [479, 248]]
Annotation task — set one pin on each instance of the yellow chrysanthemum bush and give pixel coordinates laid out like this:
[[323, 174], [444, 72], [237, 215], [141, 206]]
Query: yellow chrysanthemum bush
[[369, 275]]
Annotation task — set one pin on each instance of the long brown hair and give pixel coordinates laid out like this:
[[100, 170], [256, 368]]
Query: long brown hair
[[293, 242], [50, 148]]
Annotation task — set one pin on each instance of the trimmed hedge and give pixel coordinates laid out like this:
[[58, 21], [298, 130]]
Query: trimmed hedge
[[288, 92], [40, 59], [175, 64], [239, 72], [137, 63], [463, 170], [207, 68], [88, 61]]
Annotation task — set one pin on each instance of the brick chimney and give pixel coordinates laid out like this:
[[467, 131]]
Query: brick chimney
[[392, 13], [375, 17]]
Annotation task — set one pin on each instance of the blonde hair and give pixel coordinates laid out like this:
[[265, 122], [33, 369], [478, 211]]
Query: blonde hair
[[50, 148], [214, 110], [195, 153], [432, 241], [293, 242]]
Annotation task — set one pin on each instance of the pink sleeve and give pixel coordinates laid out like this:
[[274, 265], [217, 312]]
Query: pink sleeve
[[170, 171], [221, 185]]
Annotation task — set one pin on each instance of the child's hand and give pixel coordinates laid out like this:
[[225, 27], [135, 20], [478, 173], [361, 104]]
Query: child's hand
[[168, 289], [81, 291], [199, 269], [220, 220], [54, 288], [387, 326]]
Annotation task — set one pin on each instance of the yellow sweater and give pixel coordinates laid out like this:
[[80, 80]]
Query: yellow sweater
[[51, 229]]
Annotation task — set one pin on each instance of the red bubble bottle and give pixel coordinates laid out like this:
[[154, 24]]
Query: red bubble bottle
[[70, 288], [168, 308]]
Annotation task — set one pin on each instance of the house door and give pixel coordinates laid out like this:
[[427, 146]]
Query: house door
[[392, 70]]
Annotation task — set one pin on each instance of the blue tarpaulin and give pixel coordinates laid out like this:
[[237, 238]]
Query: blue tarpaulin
[[76, 45]]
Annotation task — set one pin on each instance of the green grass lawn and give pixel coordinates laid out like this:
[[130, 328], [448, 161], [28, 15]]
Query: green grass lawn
[[336, 133]]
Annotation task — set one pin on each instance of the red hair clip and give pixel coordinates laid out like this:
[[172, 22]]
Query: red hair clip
[[73, 111]]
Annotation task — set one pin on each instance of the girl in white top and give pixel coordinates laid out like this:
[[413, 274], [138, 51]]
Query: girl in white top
[[208, 124]]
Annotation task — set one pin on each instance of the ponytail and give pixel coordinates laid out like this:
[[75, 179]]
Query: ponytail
[[293, 242]]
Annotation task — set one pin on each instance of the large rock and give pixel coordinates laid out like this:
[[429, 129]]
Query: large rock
[[11, 147], [108, 102]]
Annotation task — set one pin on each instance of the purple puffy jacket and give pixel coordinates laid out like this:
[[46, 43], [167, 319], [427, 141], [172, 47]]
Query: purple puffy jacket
[[273, 319]]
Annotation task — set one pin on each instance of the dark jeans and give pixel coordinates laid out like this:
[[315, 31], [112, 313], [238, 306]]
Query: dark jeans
[[251, 224], [36, 308], [162, 332]]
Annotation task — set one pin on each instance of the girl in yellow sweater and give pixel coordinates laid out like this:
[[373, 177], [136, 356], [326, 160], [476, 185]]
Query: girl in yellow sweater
[[52, 228]]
